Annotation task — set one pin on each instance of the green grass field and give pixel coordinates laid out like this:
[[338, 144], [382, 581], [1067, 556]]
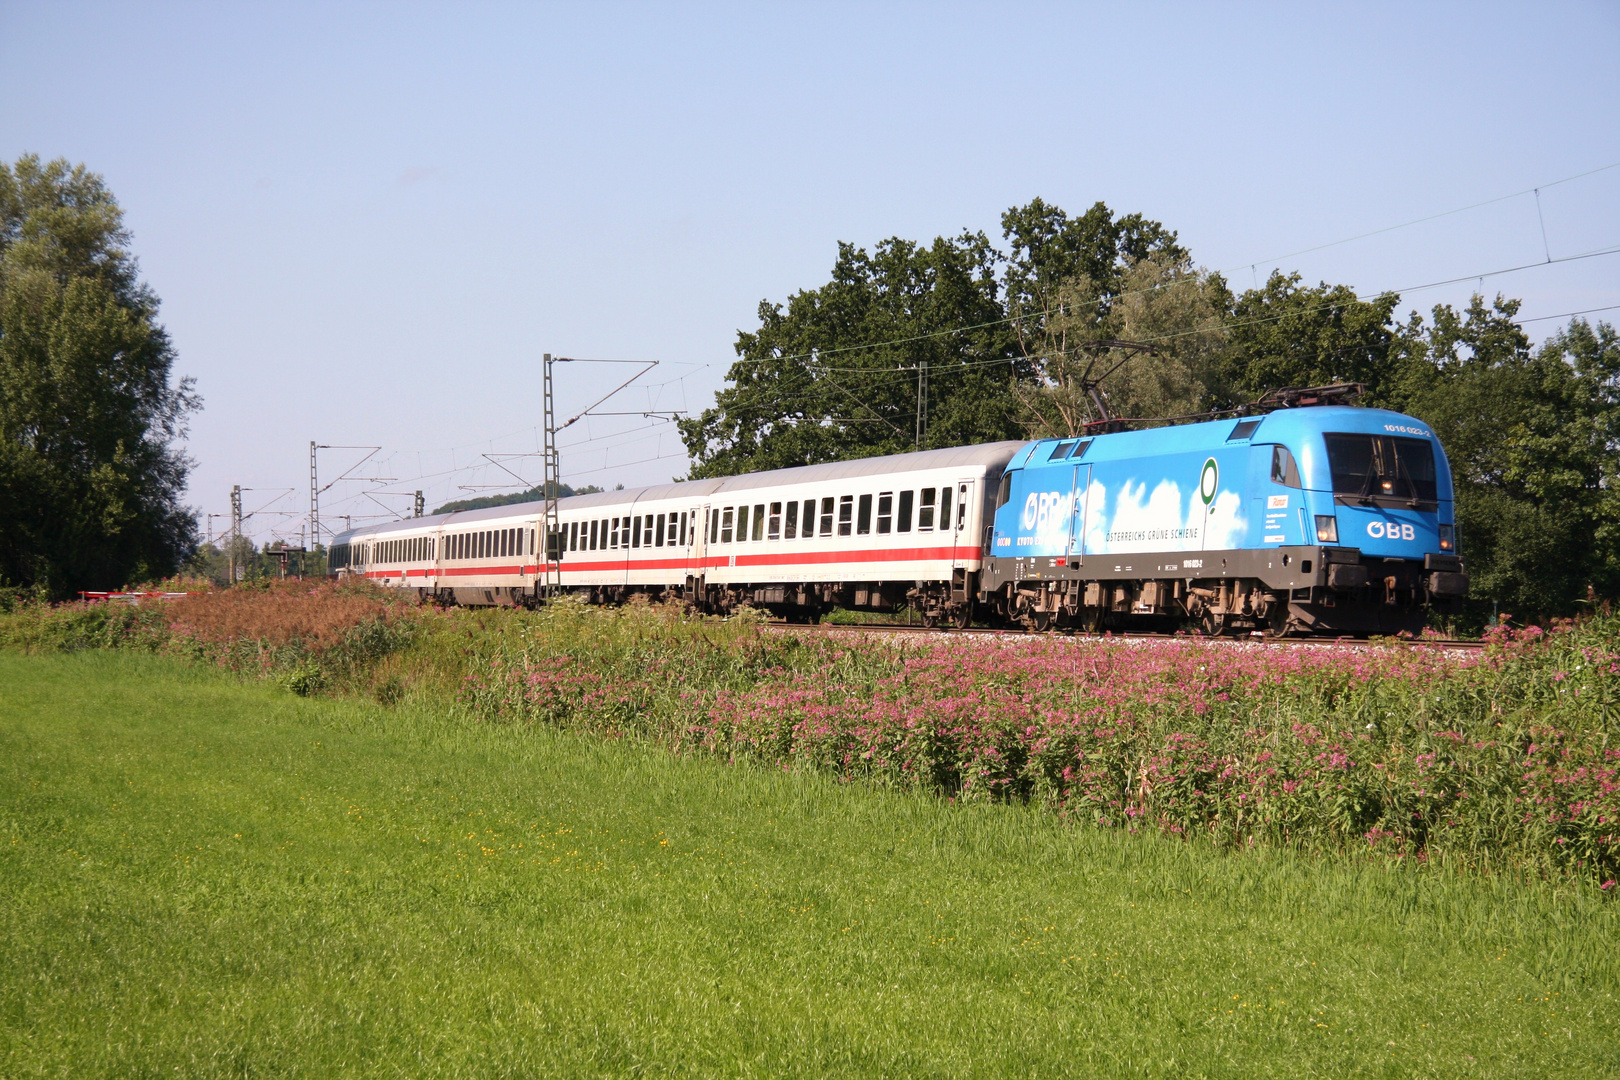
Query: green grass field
[[200, 877]]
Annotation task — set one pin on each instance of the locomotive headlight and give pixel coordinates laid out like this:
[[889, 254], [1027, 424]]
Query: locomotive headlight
[[1327, 529], [1448, 538]]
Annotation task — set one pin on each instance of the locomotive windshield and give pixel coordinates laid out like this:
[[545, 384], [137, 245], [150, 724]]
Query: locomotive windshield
[[1381, 466]]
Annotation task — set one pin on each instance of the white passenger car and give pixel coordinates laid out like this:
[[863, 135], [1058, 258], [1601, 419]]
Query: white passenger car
[[873, 533]]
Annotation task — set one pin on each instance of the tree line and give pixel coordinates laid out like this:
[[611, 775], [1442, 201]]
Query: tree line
[[913, 345], [907, 345]]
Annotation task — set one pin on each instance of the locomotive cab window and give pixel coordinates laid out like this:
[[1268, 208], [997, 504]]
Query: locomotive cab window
[[1367, 468], [1283, 469]]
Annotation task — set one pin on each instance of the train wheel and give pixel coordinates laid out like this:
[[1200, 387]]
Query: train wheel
[[930, 621], [1040, 621], [964, 617], [1212, 623]]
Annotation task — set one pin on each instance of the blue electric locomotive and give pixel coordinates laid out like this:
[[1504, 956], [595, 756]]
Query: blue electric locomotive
[[1328, 520]]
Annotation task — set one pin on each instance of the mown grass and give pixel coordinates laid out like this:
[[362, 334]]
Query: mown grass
[[209, 878]]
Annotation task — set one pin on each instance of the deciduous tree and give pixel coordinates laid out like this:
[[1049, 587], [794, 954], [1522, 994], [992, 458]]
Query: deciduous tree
[[91, 474]]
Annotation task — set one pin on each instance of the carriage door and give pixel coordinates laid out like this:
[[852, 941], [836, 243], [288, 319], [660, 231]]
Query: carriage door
[[964, 538], [1080, 492], [697, 545]]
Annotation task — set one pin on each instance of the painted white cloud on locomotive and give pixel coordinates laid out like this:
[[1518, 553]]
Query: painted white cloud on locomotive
[[1162, 521]]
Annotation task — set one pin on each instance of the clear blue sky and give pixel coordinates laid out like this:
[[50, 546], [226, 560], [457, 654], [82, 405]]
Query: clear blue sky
[[368, 222]]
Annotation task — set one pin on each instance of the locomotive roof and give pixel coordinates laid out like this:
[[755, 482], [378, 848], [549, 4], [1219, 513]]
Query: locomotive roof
[[955, 457]]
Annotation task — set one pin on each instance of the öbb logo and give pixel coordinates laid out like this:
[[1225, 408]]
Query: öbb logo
[[1044, 510], [1390, 530]]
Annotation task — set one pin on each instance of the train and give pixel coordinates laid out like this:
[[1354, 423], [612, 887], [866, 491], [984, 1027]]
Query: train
[[1329, 520]]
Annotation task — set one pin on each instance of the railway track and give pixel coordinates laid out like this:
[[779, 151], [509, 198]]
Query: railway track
[[981, 631]]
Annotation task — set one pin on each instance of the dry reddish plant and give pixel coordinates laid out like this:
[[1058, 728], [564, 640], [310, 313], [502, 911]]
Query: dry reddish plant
[[317, 615]]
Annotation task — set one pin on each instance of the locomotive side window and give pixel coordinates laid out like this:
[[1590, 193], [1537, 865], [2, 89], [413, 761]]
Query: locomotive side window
[[885, 511], [826, 516], [1004, 492], [775, 532], [1059, 452], [809, 519], [945, 509], [1283, 469], [906, 499], [846, 514], [863, 516], [925, 511], [792, 520], [759, 521]]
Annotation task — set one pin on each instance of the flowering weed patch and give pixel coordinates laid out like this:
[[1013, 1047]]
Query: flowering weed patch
[[1501, 760]]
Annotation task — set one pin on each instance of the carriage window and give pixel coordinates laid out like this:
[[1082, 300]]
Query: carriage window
[[776, 521], [742, 524], [826, 515], [925, 512], [846, 514], [863, 516], [1283, 469], [593, 536], [945, 508], [759, 522], [659, 524], [647, 531], [792, 520], [885, 511], [904, 524], [682, 516], [714, 526], [962, 505], [809, 518], [726, 517]]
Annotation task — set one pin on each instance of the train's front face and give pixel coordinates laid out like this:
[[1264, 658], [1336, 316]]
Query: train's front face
[[1380, 495], [1390, 489]]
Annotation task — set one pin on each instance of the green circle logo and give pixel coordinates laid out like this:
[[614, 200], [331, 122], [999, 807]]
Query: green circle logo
[[1209, 481]]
